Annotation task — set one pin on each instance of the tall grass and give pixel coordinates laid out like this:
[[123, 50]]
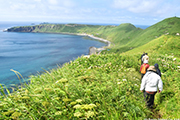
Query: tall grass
[[104, 86]]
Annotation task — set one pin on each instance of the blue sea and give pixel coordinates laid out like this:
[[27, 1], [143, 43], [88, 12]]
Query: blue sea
[[30, 53]]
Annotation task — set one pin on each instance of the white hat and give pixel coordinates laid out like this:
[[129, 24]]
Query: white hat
[[152, 68], [145, 61]]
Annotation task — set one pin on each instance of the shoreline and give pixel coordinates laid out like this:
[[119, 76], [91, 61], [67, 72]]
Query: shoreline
[[99, 39], [79, 34], [91, 36]]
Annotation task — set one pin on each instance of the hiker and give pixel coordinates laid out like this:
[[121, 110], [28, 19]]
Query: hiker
[[145, 57], [157, 69], [142, 57], [150, 82], [144, 68]]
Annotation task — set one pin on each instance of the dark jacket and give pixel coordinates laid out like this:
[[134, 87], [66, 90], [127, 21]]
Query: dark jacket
[[157, 69]]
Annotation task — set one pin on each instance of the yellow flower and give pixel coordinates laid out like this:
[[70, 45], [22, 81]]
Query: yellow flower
[[45, 104], [63, 80], [73, 103], [92, 105], [89, 114], [78, 114], [47, 89], [66, 100], [79, 100], [58, 113], [15, 115], [77, 106]]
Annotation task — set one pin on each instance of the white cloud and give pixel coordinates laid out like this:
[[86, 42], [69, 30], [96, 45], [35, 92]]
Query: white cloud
[[37, 0], [154, 8], [137, 6], [53, 2]]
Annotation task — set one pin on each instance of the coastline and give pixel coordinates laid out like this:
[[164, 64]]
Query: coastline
[[104, 47], [84, 34], [99, 39], [79, 34]]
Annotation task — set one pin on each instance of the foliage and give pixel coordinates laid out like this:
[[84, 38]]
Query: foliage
[[104, 86]]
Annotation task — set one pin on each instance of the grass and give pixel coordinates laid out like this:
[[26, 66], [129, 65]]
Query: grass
[[104, 86]]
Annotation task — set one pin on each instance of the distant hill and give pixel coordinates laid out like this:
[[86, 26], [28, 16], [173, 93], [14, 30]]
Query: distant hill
[[123, 37]]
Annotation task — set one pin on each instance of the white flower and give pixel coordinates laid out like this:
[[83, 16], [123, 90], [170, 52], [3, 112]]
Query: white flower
[[174, 59], [124, 80], [178, 67], [119, 83], [118, 79]]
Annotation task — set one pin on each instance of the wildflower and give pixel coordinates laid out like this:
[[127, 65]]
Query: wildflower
[[77, 106], [15, 115], [92, 105], [135, 84], [58, 113], [25, 98], [62, 80], [89, 114], [86, 107], [66, 100], [47, 89], [45, 104], [77, 114], [174, 59], [73, 103], [26, 91], [178, 67], [119, 83], [124, 80], [79, 100], [164, 66]]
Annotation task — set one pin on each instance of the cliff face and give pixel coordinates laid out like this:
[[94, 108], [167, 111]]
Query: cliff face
[[22, 29]]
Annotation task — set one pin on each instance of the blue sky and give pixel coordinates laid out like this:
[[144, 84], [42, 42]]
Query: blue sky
[[137, 12]]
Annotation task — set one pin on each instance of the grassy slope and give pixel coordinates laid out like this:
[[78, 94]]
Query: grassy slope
[[100, 87], [165, 51], [123, 37]]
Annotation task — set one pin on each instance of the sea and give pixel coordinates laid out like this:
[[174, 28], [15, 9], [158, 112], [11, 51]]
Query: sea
[[33, 53], [29, 54]]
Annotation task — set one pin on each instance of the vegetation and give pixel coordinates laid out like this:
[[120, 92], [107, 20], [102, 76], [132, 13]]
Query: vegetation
[[104, 86]]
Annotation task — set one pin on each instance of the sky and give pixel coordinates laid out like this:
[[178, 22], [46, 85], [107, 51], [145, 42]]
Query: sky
[[137, 12]]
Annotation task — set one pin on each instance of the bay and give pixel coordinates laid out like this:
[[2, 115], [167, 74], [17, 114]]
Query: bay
[[30, 53]]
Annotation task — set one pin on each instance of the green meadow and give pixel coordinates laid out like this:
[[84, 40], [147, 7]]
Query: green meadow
[[104, 86]]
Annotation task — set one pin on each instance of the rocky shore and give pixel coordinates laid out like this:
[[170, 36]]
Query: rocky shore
[[97, 50]]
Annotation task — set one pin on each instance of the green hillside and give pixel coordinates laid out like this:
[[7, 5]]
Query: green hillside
[[123, 37], [105, 86]]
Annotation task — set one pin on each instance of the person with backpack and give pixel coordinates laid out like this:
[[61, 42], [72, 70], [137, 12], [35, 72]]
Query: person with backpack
[[144, 68], [150, 84], [145, 57], [157, 69], [141, 58]]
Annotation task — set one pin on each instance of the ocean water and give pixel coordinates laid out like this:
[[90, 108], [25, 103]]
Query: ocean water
[[30, 53]]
